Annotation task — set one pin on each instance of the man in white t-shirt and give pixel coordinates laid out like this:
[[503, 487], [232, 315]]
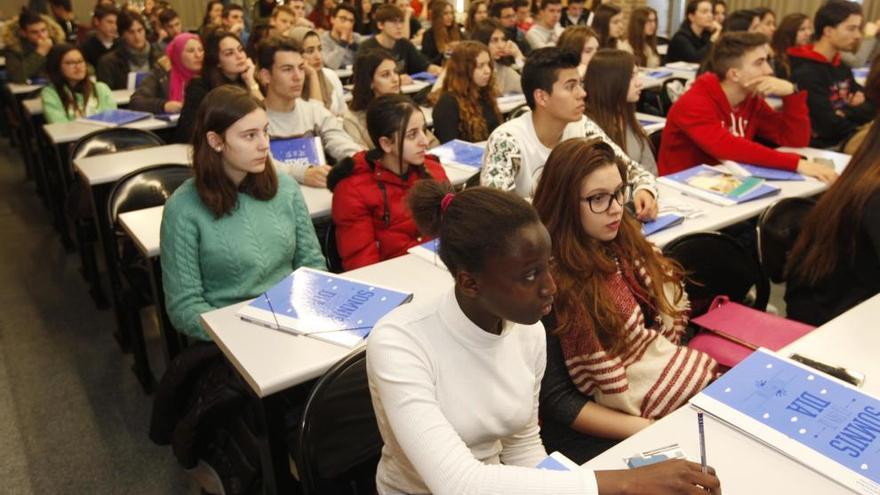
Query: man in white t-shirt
[[282, 71], [517, 150], [546, 31]]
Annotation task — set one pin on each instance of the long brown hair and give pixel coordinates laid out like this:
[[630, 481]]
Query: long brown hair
[[443, 34], [607, 84], [583, 263], [459, 82], [785, 37], [211, 66], [221, 108], [602, 24], [636, 34], [832, 229], [573, 38]]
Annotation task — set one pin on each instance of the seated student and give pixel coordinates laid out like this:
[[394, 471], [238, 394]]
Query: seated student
[[440, 39], [505, 55], [225, 63], [133, 54], [299, 9], [575, 14], [836, 101], [641, 38], [62, 14], [389, 21], [696, 34], [621, 306], [583, 40], [516, 150], [868, 49], [431, 365], [162, 91], [608, 25], [466, 108], [281, 19], [613, 89], [524, 19], [340, 43], [371, 219], [322, 83], [103, 39], [478, 11], [170, 22], [719, 11], [504, 12], [236, 228], [835, 263], [212, 19], [262, 11], [28, 40], [732, 93], [232, 21], [794, 30], [283, 73], [70, 93], [546, 31], [743, 20], [321, 14], [363, 19], [767, 24], [374, 75]]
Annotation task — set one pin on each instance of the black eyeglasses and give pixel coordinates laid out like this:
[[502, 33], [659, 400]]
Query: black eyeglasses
[[601, 202]]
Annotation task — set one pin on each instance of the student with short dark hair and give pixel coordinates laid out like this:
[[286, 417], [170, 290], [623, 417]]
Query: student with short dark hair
[[582, 40], [696, 34], [28, 40], [162, 90], [794, 30], [389, 20], [516, 150], [440, 39], [836, 101], [232, 20], [504, 11], [431, 362], [283, 74], [506, 56], [70, 93], [608, 24], [575, 14], [170, 23], [62, 13], [732, 94], [236, 228], [340, 44], [743, 20], [371, 219], [546, 31], [133, 54], [467, 108], [104, 37], [641, 38]]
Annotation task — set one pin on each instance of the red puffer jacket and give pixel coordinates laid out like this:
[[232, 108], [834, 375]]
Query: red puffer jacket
[[372, 220]]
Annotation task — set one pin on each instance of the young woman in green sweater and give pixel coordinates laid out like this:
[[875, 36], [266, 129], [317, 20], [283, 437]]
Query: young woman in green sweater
[[236, 228], [70, 93]]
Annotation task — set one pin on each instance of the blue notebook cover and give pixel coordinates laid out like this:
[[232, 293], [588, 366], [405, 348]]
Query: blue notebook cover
[[659, 74], [461, 152], [116, 117], [662, 222], [860, 72], [424, 76], [306, 150], [681, 180], [557, 462], [771, 173], [324, 305], [819, 421]]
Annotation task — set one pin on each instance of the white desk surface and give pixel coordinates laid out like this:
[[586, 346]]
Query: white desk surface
[[715, 217], [656, 123], [272, 361], [744, 465], [34, 106], [19, 89], [101, 169], [344, 72], [67, 132]]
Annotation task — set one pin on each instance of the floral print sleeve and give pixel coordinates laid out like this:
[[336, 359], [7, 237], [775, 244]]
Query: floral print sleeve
[[636, 175], [501, 162]]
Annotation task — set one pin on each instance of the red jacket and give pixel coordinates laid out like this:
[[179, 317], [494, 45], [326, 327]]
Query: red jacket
[[372, 220], [702, 128]]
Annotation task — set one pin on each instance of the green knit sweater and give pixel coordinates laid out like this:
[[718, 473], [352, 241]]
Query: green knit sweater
[[210, 263]]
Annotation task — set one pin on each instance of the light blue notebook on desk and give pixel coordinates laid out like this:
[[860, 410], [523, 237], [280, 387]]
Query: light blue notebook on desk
[[323, 305], [659, 73], [460, 152], [662, 222], [718, 186], [114, 118], [308, 150], [424, 76], [766, 173]]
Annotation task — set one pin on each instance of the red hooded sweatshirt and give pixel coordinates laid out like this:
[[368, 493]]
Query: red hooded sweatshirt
[[701, 127]]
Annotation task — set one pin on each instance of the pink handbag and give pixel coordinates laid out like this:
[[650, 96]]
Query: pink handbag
[[731, 331]]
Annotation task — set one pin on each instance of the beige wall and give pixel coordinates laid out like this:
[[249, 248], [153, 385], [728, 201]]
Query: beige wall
[[190, 10]]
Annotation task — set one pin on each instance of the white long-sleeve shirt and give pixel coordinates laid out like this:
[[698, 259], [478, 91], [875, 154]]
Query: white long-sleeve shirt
[[458, 407]]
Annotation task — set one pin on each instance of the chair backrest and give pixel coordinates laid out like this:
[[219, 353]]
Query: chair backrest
[[716, 265], [672, 89], [112, 140], [339, 440], [331, 253], [778, 229], [516, 112], [655, 143], [145, 188]]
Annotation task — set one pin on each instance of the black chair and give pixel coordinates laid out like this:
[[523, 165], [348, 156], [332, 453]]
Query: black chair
[[144, 188], [520, 110], [328, 246], [716, 265], [113, 139], [777, 230], [339, 442], [654, 137], [671, 90]]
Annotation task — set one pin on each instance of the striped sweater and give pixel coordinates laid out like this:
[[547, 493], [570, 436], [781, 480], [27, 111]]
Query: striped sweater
[[653, 375]]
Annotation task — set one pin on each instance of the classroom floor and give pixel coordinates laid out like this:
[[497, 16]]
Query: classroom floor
[[73, 419]]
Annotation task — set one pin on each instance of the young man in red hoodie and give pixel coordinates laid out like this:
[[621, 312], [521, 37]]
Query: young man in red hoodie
[[718, 118]]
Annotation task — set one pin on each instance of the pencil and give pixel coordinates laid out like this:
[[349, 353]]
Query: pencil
[[703, 465]]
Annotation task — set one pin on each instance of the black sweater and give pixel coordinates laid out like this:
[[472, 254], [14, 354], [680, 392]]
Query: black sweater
[[686, 46], [195, 92], [447, 119]]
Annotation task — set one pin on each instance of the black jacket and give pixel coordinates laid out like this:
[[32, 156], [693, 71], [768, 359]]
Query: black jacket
[[152, 94], [113, 67], [92, 49], [686, 46]]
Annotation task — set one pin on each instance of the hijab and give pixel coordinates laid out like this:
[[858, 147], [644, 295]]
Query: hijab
[[180, 75]]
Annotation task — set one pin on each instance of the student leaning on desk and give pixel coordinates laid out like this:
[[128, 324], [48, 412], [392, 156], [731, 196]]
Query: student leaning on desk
[[236, 228], [455, 381]]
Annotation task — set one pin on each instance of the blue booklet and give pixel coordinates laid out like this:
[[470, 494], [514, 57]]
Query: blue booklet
[[717, 186], [460, 152], [320, 304], [424, 76], [861, 72], [135, 79], [662, 222], [114, 118], [557, 462], [659, 73], [307, 150], [821, 422], [763, 172]]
